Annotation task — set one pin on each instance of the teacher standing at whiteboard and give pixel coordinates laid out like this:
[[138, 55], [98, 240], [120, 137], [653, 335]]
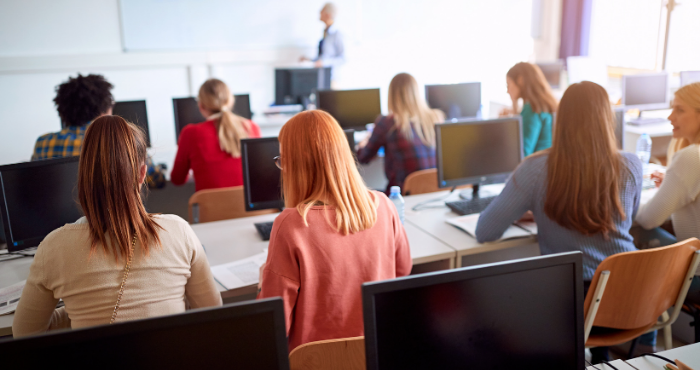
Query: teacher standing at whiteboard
[[331, 51]]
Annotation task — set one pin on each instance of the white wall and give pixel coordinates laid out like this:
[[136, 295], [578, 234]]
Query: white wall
[[42, 42]]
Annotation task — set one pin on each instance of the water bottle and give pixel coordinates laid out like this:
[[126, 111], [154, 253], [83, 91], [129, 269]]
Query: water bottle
[[644, 150], [396, 197]]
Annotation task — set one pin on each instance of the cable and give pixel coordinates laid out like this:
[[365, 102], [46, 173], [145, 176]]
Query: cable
[[422, 205], [590, 364], [660, 357]]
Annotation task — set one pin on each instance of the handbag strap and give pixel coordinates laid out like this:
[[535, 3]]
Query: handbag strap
[[126, 275]]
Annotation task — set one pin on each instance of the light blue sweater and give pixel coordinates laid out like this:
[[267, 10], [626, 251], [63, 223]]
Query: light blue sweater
[[526, 190]]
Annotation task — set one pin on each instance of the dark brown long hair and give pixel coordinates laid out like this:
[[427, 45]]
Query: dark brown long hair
[[584, 166], [111, 158], [534, 88]]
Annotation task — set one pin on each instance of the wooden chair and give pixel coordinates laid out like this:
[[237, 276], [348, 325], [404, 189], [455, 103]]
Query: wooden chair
[[423, 181], [219, 204], [337, 354], [629, 292]]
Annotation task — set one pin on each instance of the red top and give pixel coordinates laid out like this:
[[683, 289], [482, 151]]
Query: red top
[[198, 149], [319, 272]]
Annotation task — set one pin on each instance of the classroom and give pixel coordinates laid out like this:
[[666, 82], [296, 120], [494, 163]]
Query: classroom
[[350, 184]]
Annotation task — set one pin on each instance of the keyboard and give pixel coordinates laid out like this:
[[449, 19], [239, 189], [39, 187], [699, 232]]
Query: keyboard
[[647, 121], [264, 229], [470, 206]]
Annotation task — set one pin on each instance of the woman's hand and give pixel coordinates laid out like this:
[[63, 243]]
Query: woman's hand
[[657, 177], [506, 112], [527, 217]]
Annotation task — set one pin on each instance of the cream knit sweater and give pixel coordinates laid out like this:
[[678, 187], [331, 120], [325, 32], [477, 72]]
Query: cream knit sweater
[[161, 283]]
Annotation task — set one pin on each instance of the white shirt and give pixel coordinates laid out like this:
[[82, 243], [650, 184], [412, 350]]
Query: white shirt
[[677, 197]]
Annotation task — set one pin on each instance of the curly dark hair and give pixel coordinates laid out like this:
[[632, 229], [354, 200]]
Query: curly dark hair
[[81, 99]]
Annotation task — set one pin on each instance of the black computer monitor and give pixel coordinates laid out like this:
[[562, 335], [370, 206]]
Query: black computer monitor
[[478, 151], [262, 185], [353, 109], [295, 85], [134, 112], [552, 72], [186, 111], [248, 335], [455, 100], [523, 314], [689, 77], [37, 198], [645, 91]]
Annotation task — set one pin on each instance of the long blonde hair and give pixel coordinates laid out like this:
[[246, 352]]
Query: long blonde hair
[[584, 166], [410, 110], [689, 94], [318, 165], [216, 97], [534, 88]]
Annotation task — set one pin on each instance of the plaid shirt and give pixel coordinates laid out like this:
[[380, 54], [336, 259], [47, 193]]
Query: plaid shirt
[[402, 156], [65, 143]]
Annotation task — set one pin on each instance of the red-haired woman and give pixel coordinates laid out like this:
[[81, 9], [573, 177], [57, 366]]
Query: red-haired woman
[[334, 235], [158, 258]]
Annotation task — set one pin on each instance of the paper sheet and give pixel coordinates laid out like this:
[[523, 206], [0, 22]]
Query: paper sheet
[[468, 224], [240, 273], [9, 297]]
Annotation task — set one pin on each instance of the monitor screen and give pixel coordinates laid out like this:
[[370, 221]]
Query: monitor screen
[[37, 198], [478, 151], [552, 72], [187, 111], [248, 335], [457, 100], [134, 112], [261, 177], [645, 91], [524, 314], [689, 77], [353, 109], [294, 85]]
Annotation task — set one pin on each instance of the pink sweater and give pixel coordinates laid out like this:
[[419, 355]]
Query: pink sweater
[[319, 272]]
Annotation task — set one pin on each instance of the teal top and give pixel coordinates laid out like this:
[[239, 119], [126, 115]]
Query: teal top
[[537, 130]]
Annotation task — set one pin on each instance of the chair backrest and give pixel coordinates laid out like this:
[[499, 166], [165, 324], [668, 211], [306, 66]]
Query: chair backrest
[[642, 285], [337, 354], [219, 204]]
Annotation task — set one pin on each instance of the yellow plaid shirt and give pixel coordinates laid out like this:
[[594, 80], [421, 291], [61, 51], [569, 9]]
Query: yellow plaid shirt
[[65, 143]]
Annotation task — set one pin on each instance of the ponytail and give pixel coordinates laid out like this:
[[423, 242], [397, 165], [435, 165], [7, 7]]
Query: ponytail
[[231, 130]]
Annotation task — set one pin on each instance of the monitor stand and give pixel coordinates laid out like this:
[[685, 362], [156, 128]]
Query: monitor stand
[[469, 194]]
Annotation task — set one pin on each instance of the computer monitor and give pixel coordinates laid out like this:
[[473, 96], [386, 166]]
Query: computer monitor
[[645, 91], [353, 109], [552, 72], [523, 314], [134, 112], [689, 77], [295, 85], [187, 111], [247, 335], [455, 100], [37, 198], [261, 177], [478, 151]]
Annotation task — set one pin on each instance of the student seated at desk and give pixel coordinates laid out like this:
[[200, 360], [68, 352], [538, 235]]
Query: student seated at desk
[[527, 82], [582, 191], [212, 149], [79, 101], [156, 259], [407, 133], [334, 234], [678, 196]]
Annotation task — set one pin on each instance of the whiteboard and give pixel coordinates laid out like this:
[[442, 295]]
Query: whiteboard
[[149, 25]]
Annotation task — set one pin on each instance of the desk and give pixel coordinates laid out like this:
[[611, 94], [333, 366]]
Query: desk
[[690, 355], [660, 137], [469, 251]]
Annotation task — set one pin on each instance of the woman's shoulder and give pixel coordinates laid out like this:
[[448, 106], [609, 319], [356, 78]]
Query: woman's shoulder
[[688, 155], [633, 163]]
